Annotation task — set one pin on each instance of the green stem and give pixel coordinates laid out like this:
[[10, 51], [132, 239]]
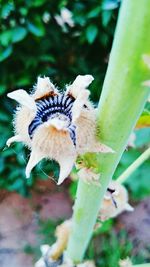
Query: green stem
[[123, 177], [121, 103]]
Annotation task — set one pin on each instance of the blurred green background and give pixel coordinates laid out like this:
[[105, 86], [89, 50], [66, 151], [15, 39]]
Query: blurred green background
[[61, 39]]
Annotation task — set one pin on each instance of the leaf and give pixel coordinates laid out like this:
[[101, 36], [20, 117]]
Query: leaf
[[2, 89], [5, 53], [109, 4], [36, 28], [106, 17], [142, 137], [18, 34], [94, 12], [5, 37], [91, 33], [6, 9]]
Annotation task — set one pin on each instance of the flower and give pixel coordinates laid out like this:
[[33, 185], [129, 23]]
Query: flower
[[56, 125], [115, 201], [65, 17]]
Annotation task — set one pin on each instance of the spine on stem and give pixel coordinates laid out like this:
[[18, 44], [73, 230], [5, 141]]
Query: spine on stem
[[122, 100]]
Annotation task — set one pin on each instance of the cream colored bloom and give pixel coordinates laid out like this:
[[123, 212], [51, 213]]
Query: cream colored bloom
[[65, 17], [54, 125], [115, 201]]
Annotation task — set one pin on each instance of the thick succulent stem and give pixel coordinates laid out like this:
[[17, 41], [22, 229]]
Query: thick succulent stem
[[122, 100]]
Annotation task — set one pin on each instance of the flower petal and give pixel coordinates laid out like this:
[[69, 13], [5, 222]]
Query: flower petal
[[66, 164], [43, 87], [128, 207], [35, 157], [16, 138], [81, 82], [78, 104], [23, 98]]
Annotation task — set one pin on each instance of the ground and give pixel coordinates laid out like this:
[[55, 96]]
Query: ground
[[19, 222]]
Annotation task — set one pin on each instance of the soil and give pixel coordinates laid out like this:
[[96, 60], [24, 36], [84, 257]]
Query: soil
[[19, 221], [19, 217]]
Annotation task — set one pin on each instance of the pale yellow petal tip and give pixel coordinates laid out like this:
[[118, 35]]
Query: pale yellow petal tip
[[128, 207], [23, 98], [83, 80], [43, 83], [61, 180], [27, 173], [80, 83]]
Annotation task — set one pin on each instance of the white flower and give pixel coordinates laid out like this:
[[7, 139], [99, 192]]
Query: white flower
[[65, 17], [56, 125], [115, 201]]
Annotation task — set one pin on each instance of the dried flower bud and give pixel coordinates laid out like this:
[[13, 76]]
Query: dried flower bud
[[56, 125], [62, 234], [115, 201], [63, 261]]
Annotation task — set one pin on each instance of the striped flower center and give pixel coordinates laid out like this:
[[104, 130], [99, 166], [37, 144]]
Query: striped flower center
[[54, 107]]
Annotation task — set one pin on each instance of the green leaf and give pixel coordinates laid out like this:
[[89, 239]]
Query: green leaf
[[91, 33], [2, 89], [109, 4], [5, 37], [18, 34], [5, 53], [94, 12], [6, 9], [106, 17], [36, 28]]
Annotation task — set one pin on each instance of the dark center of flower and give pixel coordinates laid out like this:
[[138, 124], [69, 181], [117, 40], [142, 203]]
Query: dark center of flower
[[51, 107]]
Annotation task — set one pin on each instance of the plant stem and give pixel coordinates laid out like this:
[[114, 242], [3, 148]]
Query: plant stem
[[121, 103], [123, 177]]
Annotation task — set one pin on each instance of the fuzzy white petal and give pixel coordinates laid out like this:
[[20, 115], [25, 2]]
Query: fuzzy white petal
[[35, 157], [44, 249], [78, 104], [66, 165], [40, 263], [23, 98], [44, 84], [16, 138], [81, 82], [128, 207]]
